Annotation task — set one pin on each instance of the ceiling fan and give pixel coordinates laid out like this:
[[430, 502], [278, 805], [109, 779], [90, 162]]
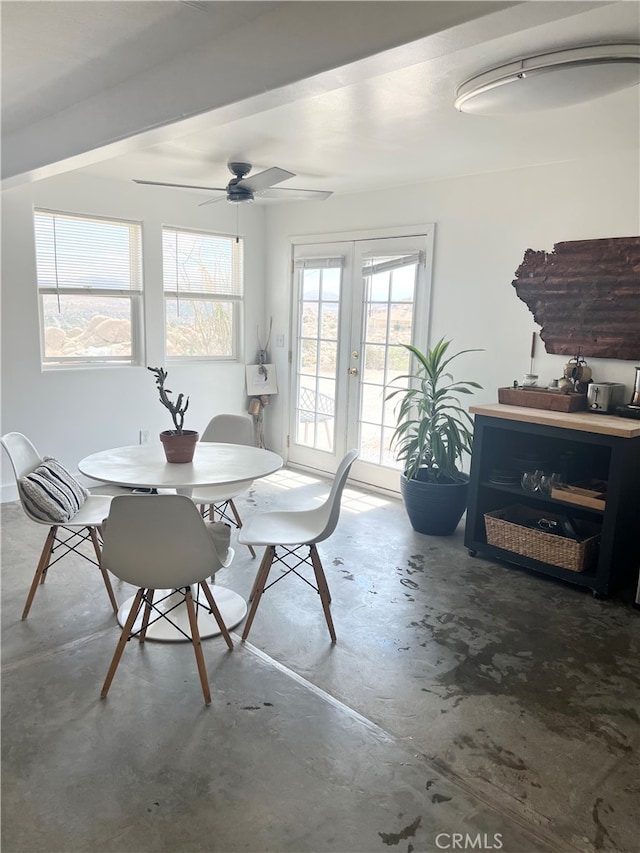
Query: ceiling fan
[[244, 189]]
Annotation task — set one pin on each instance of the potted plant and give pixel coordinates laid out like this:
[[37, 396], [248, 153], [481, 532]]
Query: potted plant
[[179, 443], [432, 435]]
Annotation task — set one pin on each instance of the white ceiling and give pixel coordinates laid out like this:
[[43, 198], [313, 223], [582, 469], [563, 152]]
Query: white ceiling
[[385, 117]]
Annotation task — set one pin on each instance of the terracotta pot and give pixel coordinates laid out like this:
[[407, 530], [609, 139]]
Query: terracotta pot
[[179, 448]]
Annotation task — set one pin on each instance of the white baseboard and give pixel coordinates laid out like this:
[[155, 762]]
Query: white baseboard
[[9, 493]]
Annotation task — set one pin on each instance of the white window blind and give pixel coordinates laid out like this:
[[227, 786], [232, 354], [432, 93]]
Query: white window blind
[[82, 252], [376, 264], [319, 263], [200, 263]]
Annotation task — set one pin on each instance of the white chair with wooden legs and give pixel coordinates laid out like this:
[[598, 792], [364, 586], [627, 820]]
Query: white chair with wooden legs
[[161, 542], [217, 503], [285, 533], [65, 537]]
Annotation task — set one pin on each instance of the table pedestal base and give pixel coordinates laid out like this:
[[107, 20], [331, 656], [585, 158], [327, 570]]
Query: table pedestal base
[[232, 606]]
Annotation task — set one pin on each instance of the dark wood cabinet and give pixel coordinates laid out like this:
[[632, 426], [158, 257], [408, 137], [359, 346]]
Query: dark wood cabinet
[[591, 447]]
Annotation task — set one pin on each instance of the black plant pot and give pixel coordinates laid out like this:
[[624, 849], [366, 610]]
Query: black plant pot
[[434, 508]]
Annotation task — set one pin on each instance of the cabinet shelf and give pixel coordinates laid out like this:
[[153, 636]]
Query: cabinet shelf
[[600, 448], [587, 578], [540, 498]]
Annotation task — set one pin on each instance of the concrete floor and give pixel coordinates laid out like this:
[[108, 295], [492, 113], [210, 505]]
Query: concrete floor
[[463, 697]]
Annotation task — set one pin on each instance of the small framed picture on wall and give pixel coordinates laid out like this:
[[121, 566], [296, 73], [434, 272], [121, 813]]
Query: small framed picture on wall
[[261, 379]]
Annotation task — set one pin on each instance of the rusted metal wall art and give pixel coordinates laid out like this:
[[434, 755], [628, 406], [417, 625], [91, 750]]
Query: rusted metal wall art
[[585, 295]]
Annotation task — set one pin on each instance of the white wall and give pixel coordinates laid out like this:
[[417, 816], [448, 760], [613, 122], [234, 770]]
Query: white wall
[[73, 412], [483, 225]]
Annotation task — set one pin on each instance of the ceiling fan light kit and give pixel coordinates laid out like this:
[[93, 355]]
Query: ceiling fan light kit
[[551, 80], [244, 189]]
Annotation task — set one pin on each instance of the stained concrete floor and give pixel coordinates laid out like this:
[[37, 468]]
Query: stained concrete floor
[[466, 705]]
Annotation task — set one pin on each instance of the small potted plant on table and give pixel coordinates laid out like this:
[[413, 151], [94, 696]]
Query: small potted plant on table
[[433, 432], [179, 443]]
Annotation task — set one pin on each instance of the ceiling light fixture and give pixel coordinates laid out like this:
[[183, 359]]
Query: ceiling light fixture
[[551, 80]]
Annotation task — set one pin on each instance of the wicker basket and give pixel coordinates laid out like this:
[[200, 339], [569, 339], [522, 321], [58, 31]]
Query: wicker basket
[[506, 529]]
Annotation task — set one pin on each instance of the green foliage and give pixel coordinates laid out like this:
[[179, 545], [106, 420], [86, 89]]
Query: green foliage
[[177, 409], [434, 430]]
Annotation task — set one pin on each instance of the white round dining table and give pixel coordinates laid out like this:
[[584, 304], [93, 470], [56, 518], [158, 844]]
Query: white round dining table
[[144, 466]]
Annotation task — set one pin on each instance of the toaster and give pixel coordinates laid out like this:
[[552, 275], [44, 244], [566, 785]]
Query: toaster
[[604, 396]]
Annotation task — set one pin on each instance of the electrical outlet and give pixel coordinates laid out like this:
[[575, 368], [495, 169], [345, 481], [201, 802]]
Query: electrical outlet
[[279, 340], [144, 436]]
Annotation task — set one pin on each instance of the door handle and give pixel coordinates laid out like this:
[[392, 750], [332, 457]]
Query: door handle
[[353, 371]]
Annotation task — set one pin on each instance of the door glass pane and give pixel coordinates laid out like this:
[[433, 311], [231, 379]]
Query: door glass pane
[[370, 443], [328, 356], [309, 319], [329, 321], [318, 348], [310, 287], [331, 285], [373, 363], [397, 361], [371, 403], [379, 287], [401, 324], [308, 356], [403, 284], [376, 323], [387, 323]]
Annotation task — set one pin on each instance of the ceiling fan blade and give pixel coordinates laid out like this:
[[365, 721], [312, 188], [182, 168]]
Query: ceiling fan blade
[[262, 180], [181, 186], [292, 193], [213, 200]]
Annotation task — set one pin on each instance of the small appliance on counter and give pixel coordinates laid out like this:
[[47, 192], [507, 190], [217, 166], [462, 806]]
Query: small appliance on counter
[[632, 409], [603, 397]]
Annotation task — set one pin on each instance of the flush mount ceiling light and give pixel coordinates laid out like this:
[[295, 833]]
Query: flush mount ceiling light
[[551, 80]]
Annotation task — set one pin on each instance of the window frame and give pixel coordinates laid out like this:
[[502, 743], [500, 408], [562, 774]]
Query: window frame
[[236, 299], [134, 294]]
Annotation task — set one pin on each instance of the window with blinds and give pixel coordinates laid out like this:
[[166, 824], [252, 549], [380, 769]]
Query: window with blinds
[[203, 290], [89, 273]]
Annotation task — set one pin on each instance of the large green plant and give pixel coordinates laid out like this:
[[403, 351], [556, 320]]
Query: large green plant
[[434, 431]]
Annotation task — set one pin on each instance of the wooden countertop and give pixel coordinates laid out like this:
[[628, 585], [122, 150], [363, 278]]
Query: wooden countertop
[[582, 421]]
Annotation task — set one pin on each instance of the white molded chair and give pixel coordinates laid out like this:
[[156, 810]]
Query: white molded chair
[[85, 524], [285, 533], [162, 542], [227, 429]]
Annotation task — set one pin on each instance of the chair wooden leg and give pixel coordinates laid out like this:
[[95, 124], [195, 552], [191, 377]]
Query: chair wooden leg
[[126, 632], [236, 515], [255, 580], [323, 589], [45, 568], [197, 645], [258, 587], [105, 574], [204, 586], [322, 578], [43, 563], [147, 613]]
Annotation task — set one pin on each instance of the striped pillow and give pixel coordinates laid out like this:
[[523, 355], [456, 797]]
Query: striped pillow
[[51, 493]]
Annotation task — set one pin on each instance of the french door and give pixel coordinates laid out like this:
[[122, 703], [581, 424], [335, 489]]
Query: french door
[[355, 303]]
